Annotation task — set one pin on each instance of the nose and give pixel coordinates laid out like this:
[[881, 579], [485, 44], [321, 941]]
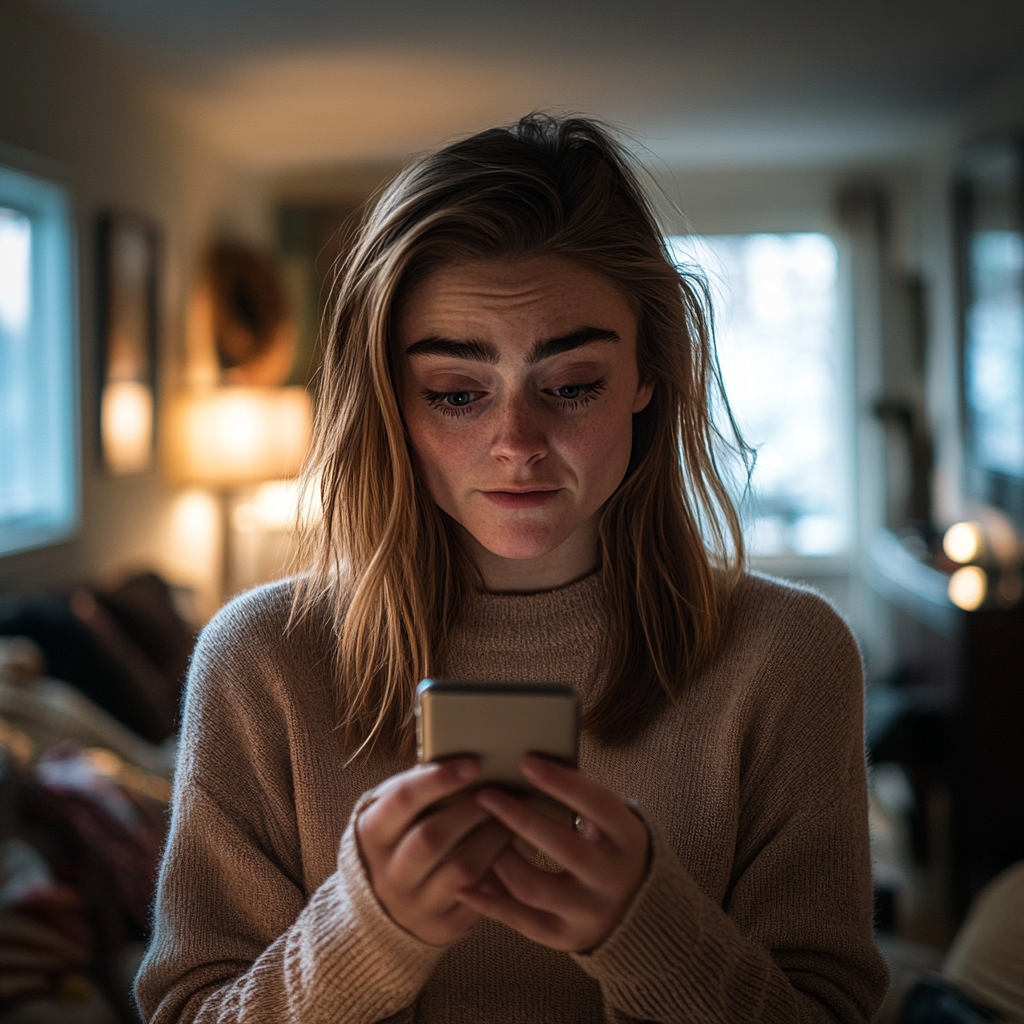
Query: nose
[[519, 438]]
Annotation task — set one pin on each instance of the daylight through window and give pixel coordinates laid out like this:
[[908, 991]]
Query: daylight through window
[[783, 367], [38, 492]]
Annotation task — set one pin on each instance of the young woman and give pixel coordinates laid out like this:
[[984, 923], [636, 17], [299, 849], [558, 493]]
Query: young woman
[[517, 468]]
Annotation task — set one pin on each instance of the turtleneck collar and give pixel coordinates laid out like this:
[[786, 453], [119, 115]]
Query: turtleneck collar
[[551, 636]]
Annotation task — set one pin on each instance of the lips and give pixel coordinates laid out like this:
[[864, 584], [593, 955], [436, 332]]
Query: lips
[[522, 499]]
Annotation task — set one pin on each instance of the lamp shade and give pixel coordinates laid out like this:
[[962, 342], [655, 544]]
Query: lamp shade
[[230, 436]]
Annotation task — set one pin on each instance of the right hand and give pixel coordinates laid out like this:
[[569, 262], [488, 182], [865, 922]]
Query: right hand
[[417, 864]]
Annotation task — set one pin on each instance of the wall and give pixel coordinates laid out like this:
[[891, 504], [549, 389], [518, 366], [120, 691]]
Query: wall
[[71, 109]]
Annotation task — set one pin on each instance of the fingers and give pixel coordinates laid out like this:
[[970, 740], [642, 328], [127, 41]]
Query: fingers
[[435, 838], [488, 900], [563, 845], [591, 800], [436, 872], [472, 861], [433, 910], [556, 910], [535, 887], [404, 797], [579, 907], [538, 925], [418, 856]]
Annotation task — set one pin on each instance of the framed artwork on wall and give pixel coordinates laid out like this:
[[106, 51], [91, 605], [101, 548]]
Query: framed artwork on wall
[[128, 253]]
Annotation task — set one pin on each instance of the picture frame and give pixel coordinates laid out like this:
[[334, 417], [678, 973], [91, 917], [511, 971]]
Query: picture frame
[[128, 265]]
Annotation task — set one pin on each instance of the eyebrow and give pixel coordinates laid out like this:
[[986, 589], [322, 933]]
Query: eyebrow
[[479, 351], [484, 352]]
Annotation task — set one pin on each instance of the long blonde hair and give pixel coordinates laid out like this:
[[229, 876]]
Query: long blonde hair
[[386, 564]]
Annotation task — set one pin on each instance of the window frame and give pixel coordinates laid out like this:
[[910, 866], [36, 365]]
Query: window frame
[[55, 372]]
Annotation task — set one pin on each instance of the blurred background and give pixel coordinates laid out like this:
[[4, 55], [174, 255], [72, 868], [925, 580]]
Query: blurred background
[[176, 184]]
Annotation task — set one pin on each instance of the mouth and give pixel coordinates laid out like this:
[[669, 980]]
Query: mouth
[[522, 498]]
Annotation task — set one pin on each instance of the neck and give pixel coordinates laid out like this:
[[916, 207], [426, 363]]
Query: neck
[[576, 557]]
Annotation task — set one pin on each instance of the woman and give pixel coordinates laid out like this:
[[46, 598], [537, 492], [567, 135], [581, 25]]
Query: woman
[[518, 480]]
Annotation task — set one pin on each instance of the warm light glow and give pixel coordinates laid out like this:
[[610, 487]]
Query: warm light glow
[[189, 552], [963, 542], [236, 435], [277, 504], [195, 522], [274, 506], [967, 587], [127, 426]]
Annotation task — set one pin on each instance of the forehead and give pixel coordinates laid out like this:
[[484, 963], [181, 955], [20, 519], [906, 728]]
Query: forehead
[[541, 293]]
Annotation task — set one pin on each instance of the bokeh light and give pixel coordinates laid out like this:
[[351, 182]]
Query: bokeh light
[[968, 587], [963, 542]]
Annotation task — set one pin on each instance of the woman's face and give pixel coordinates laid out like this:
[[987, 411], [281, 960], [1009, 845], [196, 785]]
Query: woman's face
[[518, 382]]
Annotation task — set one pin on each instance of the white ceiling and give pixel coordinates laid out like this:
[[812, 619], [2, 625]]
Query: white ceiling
[[288, 84]]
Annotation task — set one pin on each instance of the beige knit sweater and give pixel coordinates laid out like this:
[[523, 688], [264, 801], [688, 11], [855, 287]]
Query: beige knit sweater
[[757, 905]]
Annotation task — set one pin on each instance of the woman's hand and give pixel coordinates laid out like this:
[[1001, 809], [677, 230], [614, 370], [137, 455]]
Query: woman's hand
[[418, 864], [605, 862]]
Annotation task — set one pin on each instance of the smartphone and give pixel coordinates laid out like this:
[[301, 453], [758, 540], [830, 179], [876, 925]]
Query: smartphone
[[498, 723]]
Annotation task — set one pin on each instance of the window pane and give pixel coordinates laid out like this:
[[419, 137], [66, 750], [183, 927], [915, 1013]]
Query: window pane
[[38, 478], [995, 350], [16, 498], [778, 345]]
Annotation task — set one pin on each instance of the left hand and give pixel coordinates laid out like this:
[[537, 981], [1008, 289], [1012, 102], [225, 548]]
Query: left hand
[[576, 909]]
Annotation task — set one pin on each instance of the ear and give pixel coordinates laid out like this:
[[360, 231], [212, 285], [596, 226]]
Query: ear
[[643, 395]]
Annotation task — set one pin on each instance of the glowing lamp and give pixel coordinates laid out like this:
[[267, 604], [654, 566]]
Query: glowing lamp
[[126, 424], [227, 437], [968, 587], [964, 542]]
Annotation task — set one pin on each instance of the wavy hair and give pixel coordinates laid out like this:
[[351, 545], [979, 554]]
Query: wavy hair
[[386, 563]]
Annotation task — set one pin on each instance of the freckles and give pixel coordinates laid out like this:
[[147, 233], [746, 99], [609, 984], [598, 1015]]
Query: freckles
[[446, 452], [602, 436]]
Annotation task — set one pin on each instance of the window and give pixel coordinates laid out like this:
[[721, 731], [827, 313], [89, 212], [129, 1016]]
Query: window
[[989, 195], [38, 464], [995, 350], [783, 367]]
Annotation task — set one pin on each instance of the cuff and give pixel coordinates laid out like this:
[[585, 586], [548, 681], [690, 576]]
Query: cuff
[[661, 959], [628, 936], [370, 968], [402, 951]]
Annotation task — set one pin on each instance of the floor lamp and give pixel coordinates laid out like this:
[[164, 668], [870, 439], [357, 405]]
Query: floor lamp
[[232, 437]]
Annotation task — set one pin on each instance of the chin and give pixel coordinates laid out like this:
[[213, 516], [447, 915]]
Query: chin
[[520, 545]]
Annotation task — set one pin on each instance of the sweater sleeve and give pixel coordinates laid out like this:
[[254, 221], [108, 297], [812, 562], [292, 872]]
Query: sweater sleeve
[[792, 941], [236, 938]]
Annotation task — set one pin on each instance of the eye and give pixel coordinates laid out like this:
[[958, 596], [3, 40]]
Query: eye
[[571, 396], [450, 403]]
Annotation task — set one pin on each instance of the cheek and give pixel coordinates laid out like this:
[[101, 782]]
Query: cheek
[[441, 453], [601, 455]]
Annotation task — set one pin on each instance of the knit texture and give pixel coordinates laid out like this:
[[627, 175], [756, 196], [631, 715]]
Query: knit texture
[[757, 905]]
